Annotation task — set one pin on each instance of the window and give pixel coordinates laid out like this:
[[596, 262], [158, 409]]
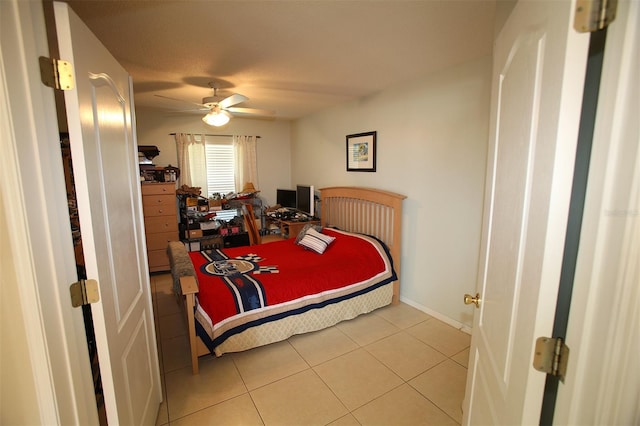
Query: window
[[220, 166]]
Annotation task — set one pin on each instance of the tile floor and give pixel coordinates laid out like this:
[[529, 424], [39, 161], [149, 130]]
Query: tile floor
[[395, 366]]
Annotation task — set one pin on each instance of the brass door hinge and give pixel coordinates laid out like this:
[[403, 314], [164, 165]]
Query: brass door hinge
[[56, 73], [551, 356], [84, 292], [594, 15]]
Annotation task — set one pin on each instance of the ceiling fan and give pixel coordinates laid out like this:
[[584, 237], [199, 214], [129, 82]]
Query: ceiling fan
[[221, 109]]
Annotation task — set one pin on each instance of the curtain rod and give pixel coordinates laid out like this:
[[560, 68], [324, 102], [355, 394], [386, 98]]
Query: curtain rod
[[207, 134]]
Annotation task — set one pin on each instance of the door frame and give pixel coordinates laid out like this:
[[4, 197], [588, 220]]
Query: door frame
[[39, 231], [602, 329]]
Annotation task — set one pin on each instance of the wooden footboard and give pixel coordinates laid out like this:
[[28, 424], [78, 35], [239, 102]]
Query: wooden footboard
[[189, 289], [186, 285]]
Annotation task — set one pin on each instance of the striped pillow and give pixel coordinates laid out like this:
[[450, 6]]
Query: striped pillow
[[314, 240], [304, 230]]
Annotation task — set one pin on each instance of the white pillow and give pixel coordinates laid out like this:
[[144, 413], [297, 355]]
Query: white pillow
[[314, 240]]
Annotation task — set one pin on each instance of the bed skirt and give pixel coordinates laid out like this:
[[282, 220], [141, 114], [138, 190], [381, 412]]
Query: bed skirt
[[311, 320]]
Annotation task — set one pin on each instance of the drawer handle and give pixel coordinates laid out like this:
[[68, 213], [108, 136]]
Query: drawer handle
[[159, 210]]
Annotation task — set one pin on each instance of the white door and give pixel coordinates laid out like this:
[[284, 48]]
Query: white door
[[538, 74], [104, 153]]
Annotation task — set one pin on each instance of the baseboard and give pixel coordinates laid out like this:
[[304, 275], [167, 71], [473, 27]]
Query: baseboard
[[437, 315]]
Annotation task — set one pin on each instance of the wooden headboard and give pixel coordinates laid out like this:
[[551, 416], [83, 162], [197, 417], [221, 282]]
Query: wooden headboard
[[366, 211]]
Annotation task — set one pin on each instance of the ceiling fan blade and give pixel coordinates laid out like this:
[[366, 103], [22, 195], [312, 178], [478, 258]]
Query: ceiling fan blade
[[184, 101], [232, 100], [199, 110], [250, 111]]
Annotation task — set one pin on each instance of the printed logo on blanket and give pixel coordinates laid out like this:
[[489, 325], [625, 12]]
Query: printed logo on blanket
[[236, 274], [229, 267]]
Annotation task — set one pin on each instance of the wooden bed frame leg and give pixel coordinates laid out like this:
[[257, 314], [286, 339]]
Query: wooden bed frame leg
[[191, 303], [189, 290]]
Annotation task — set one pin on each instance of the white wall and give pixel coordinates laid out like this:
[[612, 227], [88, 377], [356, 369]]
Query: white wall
[[432, 142], [274, 169]]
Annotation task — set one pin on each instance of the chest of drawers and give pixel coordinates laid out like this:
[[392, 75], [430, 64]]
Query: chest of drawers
[[160, 222]]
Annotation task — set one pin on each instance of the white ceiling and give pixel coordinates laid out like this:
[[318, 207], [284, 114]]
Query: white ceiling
[[294, 56]]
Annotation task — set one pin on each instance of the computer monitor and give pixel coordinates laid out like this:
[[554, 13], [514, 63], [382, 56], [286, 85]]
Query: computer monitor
[[286, 198], [305, 199]]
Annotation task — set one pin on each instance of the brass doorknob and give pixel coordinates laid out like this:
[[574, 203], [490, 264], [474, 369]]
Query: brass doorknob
[[469, 299]]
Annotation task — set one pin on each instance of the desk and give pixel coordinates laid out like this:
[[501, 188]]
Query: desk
[[290, 229]]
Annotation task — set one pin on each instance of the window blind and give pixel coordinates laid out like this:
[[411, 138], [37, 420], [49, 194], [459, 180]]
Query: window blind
[[220, 167]]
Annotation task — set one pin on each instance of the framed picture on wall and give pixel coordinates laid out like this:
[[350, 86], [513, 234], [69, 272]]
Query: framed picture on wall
[[361, 152]]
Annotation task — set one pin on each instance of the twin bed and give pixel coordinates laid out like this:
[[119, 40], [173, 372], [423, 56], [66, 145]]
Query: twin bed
[[240, 298]]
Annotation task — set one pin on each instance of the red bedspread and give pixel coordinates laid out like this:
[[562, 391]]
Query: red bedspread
[[264, 282]]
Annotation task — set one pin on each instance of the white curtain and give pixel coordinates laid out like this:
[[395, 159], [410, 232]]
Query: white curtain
[[245, 148], [192, 161]]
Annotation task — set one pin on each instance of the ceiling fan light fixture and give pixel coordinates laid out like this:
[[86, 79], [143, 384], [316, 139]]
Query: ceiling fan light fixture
[[217, 118]]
